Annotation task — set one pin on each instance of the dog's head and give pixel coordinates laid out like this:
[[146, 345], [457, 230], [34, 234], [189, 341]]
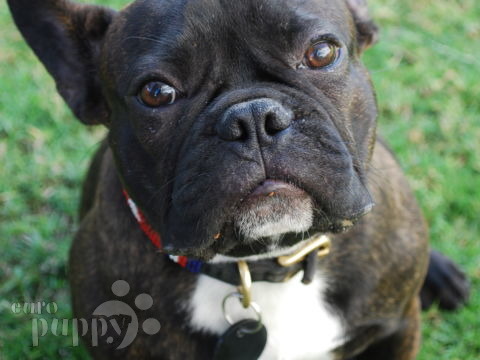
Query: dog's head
[[236, 126]]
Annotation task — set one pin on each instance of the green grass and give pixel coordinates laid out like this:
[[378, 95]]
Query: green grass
[[426, 69]]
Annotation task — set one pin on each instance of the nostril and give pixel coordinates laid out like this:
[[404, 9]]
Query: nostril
[[234, 126], [241, 131], [276, 121], [271, 124]]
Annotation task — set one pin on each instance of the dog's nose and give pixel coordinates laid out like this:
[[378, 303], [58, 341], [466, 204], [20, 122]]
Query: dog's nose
[[262, 118]]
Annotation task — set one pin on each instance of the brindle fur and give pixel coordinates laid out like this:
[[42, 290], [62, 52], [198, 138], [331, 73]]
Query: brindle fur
[[375, 269]]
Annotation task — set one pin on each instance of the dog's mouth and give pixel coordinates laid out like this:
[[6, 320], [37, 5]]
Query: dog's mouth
[[273, 208], [274, 217]]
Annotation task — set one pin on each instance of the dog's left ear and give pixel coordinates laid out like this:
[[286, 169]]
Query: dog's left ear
[[67, 38], [367, 30]]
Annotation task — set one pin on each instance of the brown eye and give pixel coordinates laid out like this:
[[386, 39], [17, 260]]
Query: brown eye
[[156, 94], [321, 54]]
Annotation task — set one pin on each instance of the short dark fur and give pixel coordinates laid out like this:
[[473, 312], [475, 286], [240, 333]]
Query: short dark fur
[[188, 178]]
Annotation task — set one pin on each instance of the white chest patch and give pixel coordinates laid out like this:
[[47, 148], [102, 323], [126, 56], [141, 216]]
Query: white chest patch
[[300, 325]]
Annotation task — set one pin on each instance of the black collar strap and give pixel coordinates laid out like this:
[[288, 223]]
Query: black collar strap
[[261, 270], [274, 270]]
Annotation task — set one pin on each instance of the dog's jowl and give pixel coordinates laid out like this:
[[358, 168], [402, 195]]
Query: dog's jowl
[[241, 179]]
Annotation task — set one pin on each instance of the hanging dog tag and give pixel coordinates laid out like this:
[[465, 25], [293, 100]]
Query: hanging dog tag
[[244, 340]]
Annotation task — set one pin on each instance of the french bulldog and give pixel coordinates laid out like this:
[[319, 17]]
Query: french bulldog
[[241, 143]]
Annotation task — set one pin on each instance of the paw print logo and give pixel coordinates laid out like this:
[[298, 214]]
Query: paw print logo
[[122, 318]]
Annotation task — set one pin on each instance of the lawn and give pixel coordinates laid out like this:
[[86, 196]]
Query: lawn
[[426, 69]]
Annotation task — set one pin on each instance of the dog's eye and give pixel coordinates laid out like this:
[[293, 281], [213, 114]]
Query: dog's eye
[[156, 94], [321, 54]]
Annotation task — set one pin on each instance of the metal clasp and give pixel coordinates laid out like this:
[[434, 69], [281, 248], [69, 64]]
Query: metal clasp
[[245, 288], [319, 242]]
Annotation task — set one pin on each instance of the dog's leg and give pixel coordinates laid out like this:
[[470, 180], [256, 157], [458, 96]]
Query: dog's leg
[[402, 345], [445, 284], [87, 292]]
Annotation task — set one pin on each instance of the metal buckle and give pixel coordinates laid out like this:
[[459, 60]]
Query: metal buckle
[[319, 242], [245, 283]]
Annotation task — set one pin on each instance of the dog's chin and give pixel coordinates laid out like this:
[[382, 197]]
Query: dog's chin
[[272, 209], [264, 220], [272, 220], [273, 216]]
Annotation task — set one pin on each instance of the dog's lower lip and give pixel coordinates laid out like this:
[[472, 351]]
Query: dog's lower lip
[[275, 187]]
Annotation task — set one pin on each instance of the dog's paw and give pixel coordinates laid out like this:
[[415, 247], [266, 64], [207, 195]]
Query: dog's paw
[[445, 284]]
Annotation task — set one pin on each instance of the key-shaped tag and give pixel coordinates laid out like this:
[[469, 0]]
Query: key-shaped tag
[[244, 340]]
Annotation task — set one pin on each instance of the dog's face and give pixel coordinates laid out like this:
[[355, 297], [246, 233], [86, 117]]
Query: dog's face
[[237, 126]]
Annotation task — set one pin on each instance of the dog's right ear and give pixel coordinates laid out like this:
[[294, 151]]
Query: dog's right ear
[[367, 30], [67, 38]]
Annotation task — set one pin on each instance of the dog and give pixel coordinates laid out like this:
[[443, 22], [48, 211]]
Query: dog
[[241, 147]]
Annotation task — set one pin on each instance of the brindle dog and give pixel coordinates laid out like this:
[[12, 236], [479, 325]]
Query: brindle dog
[[239, 129]]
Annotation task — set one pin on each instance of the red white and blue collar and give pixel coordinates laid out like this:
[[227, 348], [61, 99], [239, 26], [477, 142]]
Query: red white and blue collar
[[192, 265], [271, 270]]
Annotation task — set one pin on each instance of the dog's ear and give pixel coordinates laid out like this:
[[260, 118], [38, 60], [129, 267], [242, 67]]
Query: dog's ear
[[367, 30], [67, 37]]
